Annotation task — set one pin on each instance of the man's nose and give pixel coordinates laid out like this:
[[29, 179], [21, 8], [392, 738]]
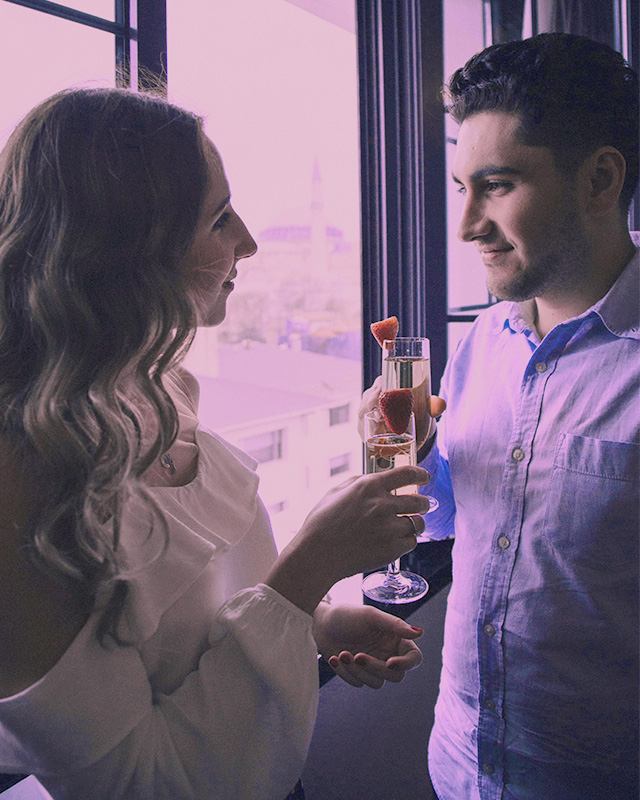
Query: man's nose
[[474, 222]]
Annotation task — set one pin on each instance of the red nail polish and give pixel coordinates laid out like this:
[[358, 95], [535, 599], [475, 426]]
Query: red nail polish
[[417, 630]]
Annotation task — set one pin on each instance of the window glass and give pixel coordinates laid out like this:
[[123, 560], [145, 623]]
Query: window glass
[[278, 88], [97, 8], [463, 36], [264, 447], [340, 464], [339, 415], [41, 54]]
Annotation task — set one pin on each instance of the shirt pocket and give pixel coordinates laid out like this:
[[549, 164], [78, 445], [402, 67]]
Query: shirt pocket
[[592, 517]]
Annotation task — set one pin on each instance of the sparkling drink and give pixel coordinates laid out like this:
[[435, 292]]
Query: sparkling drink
[[411, 372], [390, 450], [385, 450], [406, 364]]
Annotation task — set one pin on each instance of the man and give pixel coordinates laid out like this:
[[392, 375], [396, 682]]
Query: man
[[536, 459]]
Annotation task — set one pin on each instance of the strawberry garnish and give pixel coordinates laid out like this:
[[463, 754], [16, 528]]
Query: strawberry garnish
[[396, 406], [385, 330]]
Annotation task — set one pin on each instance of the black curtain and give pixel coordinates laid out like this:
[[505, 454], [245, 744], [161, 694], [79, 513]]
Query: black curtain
[[507, 18], [593, 18]]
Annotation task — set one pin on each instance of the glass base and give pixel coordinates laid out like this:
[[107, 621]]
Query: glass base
[[403, 587]]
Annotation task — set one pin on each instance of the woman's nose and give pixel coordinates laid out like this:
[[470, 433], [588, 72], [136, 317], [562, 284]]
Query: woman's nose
[[246, 246]]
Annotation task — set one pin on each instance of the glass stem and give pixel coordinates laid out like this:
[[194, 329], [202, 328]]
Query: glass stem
[[393, 568]]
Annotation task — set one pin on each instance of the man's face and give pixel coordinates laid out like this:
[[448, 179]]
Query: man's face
[[520, 212]]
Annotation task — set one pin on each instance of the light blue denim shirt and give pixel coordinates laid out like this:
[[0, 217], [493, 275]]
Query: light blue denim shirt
[[536, 470]]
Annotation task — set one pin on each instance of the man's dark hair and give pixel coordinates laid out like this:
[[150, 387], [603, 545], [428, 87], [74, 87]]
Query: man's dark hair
[[572, 95]]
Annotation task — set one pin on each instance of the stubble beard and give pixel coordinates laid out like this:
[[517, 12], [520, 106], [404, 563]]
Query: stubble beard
[[557, 269]]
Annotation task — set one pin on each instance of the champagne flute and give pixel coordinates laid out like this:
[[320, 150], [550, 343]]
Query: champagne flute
[[406, 364], [386, 450]]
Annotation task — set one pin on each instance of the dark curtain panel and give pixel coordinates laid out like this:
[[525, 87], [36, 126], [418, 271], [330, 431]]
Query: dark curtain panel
[[592, 18], [507, 17]]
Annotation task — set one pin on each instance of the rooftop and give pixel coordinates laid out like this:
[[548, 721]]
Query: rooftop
[[257, 382]]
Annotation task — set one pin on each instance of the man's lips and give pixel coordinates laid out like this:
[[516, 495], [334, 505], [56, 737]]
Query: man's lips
[[494, 253]]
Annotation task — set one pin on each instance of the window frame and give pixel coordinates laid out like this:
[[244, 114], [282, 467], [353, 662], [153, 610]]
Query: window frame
[[150, 34]]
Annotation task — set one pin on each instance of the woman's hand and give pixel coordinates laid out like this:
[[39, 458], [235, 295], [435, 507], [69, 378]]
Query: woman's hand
[[356, 527], [366, 646]]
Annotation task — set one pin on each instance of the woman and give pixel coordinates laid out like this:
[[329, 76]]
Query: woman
[[154, 646]]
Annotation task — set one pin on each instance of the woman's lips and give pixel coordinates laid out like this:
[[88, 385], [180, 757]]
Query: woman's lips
[[229, 282]]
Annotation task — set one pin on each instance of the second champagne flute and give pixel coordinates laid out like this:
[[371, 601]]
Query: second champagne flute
[[386, 450]]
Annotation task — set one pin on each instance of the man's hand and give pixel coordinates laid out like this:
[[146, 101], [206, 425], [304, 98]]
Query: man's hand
[[366, 646]]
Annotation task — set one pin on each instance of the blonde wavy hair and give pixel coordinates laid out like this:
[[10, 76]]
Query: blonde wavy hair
[[100, 193]]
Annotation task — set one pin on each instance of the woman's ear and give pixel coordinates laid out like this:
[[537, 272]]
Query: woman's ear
[[603, 174]]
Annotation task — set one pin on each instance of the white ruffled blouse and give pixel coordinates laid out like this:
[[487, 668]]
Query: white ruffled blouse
[[217, 696]]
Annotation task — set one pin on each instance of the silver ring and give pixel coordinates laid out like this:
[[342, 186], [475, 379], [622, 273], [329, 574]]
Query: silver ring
[[413, 522]]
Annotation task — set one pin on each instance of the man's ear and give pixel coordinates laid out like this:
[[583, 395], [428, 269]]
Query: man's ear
[[603, 174]]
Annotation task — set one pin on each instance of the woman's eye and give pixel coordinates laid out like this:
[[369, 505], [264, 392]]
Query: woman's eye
[[222, 221]]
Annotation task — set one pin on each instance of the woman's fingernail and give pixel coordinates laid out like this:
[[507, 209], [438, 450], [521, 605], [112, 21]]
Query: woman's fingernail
[[345, 658], [417, 630]]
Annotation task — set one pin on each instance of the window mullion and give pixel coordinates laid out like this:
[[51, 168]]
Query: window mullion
[[403, 184]]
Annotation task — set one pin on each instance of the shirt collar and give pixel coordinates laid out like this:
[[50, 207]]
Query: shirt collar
[[619, 309]]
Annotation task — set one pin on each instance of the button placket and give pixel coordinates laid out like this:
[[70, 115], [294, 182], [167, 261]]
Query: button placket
[[502, 556]]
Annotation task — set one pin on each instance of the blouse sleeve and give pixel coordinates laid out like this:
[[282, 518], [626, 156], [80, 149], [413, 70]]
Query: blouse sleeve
[[238, 727]]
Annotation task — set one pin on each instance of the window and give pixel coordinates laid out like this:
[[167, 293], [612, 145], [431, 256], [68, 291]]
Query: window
[[339, 464], [265, 446], [339, 415], [51, 46], [471, 25], [32, 45], [277, 86]]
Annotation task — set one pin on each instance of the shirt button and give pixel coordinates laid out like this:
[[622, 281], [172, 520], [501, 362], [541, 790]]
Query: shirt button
[[541, 367], [489, 630], [490, 705], [488, 769], [503, 542], [517, 454]]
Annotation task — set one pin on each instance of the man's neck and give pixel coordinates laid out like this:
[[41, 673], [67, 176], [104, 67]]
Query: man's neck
[[605, 267]]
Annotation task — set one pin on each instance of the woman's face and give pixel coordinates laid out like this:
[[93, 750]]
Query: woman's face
[[221, 240]]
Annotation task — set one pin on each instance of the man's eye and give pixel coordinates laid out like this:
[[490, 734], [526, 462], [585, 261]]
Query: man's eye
[[496, 186], [222, 221]]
